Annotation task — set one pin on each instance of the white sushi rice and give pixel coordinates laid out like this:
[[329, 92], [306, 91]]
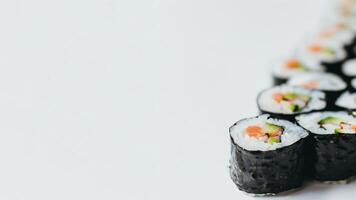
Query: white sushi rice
[[291, 134], [347, 100], [279, 69], [267, 103], [326, 81], [353, 83], [349, 67], [311, 121]]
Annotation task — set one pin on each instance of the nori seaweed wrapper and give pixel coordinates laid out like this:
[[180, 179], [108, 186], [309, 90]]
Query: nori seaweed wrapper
[[334, 67], [268, 172], [331, 97], [350, 50], [333, 156], [278, 80], [289, 117]]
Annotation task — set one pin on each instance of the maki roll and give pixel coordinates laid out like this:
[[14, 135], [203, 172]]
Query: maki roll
[[333, 136], [332, 85], [330, 54], [287, 68], [287, 101], [337, 33], [347, 101], [267, 155], [349, 71]]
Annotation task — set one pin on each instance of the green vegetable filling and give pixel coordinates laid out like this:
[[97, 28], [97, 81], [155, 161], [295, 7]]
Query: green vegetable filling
[[330, 120], [327, 51], [274, 133]]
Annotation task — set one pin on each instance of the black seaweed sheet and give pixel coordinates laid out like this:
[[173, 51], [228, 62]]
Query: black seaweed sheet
[[333, 156], [334, 67], [278, 81], [269, 172], [350, 49], [289, 117], [331, 97]]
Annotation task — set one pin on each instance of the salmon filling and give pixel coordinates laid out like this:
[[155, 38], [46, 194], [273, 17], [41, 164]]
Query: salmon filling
[[268, 133], [293, 64], [310, 85]]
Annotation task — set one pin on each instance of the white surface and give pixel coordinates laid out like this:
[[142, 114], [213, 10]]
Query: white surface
[[132, 100]]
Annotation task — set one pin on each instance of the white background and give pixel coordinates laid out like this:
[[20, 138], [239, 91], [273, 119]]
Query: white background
[[132, 100]]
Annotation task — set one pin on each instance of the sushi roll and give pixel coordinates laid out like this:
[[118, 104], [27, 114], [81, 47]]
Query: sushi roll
[[349, 71], [292, 66], [331, 55], [267, 155], [333, 136], [347, 101], [332, 85], [286, 102], [339, 34]]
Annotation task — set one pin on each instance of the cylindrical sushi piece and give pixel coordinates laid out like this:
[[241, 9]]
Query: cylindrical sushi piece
[[338, 33], [349, 71], [347, 101], [333, 144], [292, 66], [267, 155], [331, 55], [286, 102], [332, 85]]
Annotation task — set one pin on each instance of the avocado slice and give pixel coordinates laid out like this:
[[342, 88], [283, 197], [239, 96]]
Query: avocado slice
[[328, 51], [272, 128], [294, 107], [330, 120], [303, 68], [338, 131], [290, 96], [273, 140]]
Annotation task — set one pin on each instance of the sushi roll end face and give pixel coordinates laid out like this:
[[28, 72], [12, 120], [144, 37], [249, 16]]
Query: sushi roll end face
[[323, 52], [292, 66], [333, 142], [332, 85], [287, 101], [339, 33], [329, 54], [267, 155]]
